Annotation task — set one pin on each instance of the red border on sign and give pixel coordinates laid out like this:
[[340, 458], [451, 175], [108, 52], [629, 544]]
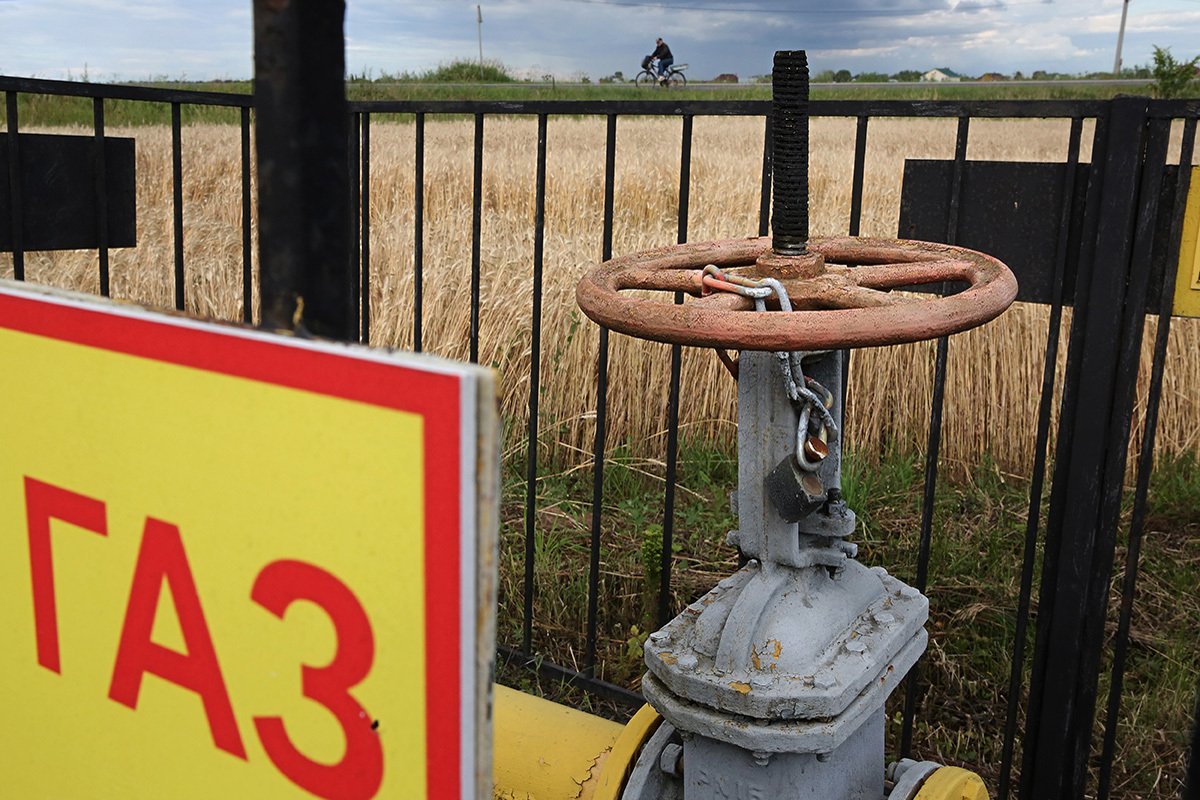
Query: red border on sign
[[291, 364]]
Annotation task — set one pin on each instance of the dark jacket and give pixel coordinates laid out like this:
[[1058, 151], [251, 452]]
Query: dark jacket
[[662, 51]]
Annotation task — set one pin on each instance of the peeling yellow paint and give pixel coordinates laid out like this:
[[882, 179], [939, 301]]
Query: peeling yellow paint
[[742, 688], [774, 647], [667, 658], [585, 779], [624, 752], [544, 751]]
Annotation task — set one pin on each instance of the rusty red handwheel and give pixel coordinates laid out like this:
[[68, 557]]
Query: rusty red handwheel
[[840, 293]]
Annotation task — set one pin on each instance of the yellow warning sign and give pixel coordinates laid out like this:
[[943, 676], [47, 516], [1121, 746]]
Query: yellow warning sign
[[1187, 282], [235, 564]]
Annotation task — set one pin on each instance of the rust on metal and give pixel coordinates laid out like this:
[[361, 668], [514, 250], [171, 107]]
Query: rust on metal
[[788, 267], [840, 293]]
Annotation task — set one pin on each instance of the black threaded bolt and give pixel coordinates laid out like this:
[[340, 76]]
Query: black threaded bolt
[[789, 142]]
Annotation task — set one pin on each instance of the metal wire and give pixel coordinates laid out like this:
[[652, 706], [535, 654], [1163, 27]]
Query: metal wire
[[801, 389]]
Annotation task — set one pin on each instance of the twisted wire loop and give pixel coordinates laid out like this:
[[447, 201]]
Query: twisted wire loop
[[810, 398], [789, 142]]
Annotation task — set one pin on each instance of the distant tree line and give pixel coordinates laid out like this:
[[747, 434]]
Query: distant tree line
[[1140, 71], [1171, 77]]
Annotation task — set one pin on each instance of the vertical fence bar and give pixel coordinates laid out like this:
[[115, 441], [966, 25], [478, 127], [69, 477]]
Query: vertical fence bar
[[15, 222], [100, 189], [685, 180], [1155, 136], [476, 225], [354, 212], [764, 196], [1160, 130], [610, 160], [535, 363], [665, 611], [247, 216], [364, 296], [856, 197], [1093, 437], [860, 169], [418, 230], [934, 441], [1052, 541], [610, 180], [1191, 786], [177, 200], [1037, 479]]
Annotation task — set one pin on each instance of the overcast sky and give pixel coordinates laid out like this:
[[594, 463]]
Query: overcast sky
[[210, 39]]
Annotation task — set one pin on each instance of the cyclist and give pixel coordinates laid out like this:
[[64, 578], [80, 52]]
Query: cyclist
[[665, 59]]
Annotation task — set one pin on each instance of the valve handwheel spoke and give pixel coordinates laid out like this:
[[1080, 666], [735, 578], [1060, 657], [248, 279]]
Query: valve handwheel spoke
[[834, 292], [844, 302]]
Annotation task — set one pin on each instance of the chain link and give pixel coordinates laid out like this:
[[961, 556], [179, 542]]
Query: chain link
[[808, 396]]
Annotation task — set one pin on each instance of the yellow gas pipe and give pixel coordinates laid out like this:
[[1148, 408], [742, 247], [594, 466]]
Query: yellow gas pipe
[[546, 751], [953, 783]]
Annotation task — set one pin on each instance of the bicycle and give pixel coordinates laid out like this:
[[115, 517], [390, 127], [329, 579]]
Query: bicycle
[[649, 75]]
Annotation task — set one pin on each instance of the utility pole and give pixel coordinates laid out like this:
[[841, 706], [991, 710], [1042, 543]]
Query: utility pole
[[1120, 40], [479, 18]]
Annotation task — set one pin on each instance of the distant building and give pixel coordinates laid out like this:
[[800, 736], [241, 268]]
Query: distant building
[[993, 76], [726, 77], [940, 75]]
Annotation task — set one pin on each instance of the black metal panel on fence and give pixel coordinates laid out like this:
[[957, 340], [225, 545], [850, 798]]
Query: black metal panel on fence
[[1011, 210], [1008, 209], [58, 200]]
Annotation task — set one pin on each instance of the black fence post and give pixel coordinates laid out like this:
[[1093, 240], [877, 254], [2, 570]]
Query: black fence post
[[303, 189], [1097, 407], [1191, 787]]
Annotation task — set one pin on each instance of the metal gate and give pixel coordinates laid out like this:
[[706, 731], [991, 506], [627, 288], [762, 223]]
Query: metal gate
[[1118, 223]]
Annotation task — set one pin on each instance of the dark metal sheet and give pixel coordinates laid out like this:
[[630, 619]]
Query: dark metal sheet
[[58, 192], [1012, 210]]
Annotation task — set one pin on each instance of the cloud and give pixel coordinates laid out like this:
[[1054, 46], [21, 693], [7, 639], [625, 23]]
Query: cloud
[[134, 39]]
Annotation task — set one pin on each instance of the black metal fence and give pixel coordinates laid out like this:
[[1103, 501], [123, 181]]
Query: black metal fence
[[1108, 274]]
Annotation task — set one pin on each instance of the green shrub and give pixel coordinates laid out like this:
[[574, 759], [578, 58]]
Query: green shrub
[[463, 71], [1173, 78]]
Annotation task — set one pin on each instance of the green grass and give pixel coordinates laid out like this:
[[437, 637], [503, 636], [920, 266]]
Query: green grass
[[46, 110], [976, 556]]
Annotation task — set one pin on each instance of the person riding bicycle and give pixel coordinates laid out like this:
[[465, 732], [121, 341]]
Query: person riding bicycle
[[665, 59]]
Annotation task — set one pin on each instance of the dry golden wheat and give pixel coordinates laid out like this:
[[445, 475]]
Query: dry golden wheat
[[994, 375]]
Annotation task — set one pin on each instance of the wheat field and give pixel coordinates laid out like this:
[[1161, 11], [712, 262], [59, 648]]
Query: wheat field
[[994, 374], [992, 392]]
